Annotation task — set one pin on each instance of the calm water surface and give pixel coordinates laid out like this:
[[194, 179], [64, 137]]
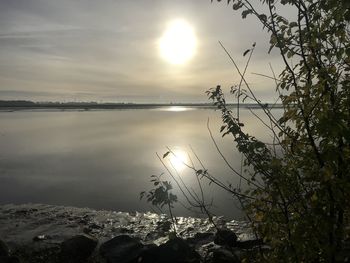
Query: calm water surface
[[104, 159]]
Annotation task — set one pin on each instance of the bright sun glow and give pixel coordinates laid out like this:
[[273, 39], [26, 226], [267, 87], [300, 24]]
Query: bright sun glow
[[178, 159], [177, 108], [178, 43]]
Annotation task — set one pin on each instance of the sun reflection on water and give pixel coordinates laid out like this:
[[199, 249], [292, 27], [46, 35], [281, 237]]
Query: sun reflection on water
[[177, 108], [178, 159]]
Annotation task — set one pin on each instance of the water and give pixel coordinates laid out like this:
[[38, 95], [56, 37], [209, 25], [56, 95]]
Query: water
[[104, 159]]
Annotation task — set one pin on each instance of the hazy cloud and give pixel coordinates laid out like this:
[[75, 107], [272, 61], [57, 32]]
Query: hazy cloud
[[107, 50]]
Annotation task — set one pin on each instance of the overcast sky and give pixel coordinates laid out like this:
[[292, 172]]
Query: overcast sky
[[88, 50]]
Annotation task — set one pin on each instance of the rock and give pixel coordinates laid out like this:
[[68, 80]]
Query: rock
[[189, 229], [78, 248], [41, 238], [174, 251], [121, 249], [21, 212], [95, 226], [222, 255], [153, 235], [344, 254], [133, 213], [4, 250], [124, 230], [201, 238], [225, 237], [164, 226], [83, 221], [5, 254], [249, 244], [87, 230], [9, 260]]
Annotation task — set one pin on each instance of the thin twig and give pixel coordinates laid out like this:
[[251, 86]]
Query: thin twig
[[225, 160], [268, 113], [241, 80]]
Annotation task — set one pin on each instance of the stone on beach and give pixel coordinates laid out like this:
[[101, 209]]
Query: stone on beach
[[121, 249], [174, 251], [4, 249], [225, 237], [5, 256], [78, 248]]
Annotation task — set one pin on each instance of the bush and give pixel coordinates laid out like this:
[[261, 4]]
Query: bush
[[300, 184]]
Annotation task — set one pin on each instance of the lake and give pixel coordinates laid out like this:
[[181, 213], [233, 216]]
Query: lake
[[103, 159]]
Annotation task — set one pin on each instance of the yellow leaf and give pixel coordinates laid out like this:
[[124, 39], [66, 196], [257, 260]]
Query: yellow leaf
[[259, 216]]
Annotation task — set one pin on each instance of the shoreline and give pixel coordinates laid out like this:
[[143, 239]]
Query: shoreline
[[125, 106], [35, 227]]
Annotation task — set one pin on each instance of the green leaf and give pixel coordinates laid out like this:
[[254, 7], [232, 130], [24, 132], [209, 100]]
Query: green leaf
[[237, 6], [263, 17], [245, 13], [273, 40], [198, 172]]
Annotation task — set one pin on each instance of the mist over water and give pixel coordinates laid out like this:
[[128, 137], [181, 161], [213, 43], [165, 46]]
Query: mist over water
[[104, 159]]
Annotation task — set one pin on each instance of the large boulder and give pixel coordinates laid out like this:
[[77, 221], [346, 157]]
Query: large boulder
[[222, 255], [225, 237], [4, 250], [9, 260], [5, 256], [78, 248], [121, 249], [174, 251]]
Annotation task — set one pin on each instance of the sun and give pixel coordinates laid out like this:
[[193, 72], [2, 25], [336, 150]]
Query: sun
[[178, 43]]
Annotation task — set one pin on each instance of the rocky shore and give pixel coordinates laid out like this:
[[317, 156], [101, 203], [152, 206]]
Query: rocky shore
[[45, 233]]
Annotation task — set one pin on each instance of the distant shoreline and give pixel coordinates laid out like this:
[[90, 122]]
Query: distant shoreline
[[110, 106]]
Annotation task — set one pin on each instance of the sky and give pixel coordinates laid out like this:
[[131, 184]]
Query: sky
[[108, 51]]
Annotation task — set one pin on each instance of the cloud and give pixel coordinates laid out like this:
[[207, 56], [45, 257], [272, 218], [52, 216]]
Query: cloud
[[98, 50]]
